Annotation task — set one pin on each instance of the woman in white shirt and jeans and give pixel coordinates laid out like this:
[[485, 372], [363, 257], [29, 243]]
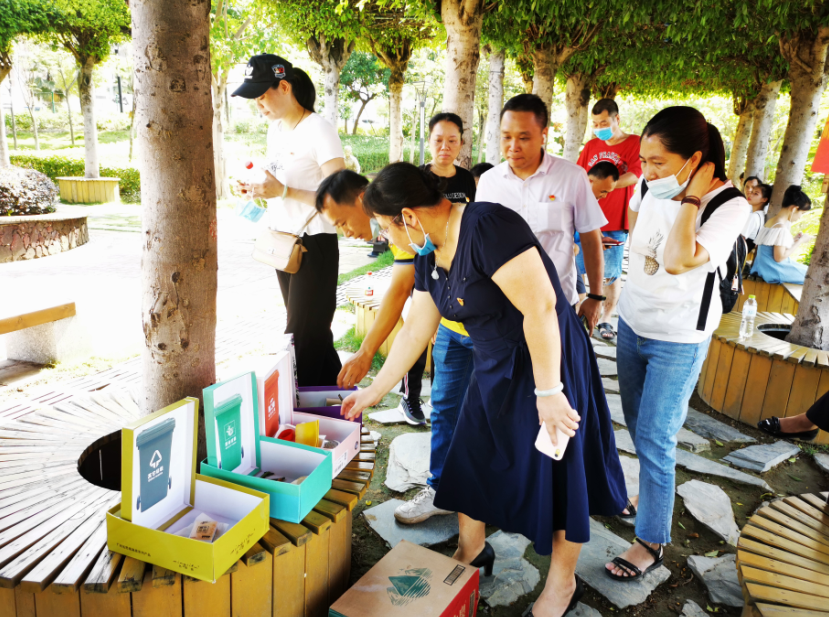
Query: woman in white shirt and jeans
[[660, 351], [303, 148]]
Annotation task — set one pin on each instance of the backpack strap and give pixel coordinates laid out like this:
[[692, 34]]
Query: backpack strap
[[708, 291]]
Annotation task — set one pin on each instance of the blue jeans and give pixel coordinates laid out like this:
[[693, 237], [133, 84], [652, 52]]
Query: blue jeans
[[614, 256], [453, 369], [656, 379]]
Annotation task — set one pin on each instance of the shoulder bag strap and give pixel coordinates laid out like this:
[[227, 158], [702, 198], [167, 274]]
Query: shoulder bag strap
[[308, 222]]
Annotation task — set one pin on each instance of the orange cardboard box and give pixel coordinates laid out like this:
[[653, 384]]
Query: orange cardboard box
[[412, 581]]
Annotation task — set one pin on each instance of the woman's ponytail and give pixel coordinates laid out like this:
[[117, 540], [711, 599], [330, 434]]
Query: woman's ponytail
[[716, 152], [303, 88]]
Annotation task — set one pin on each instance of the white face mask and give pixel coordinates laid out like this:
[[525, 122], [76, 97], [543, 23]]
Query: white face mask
[[668, 187]]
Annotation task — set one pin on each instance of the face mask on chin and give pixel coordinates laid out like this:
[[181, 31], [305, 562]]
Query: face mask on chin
[[668, 187], [428, 245]]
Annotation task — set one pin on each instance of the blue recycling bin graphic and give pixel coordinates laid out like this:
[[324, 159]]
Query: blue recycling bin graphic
[[229, 433], [154, 448]]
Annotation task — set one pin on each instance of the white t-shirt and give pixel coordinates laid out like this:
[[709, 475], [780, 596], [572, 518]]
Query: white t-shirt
[[296, 159], [662, 306], [779, 234], [754, 224], [556, 201]]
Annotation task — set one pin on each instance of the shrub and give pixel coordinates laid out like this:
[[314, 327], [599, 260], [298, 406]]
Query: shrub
[[372, 152], [252, 125], [59, 121], [26, 191], [56, 166]]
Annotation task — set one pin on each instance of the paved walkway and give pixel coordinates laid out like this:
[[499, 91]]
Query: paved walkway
[[103, 278]]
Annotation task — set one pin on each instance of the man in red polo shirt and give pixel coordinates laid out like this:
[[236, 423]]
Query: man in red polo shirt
[[614, 145]]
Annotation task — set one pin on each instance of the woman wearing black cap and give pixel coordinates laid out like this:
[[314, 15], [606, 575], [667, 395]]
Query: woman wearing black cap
[[303, 148]]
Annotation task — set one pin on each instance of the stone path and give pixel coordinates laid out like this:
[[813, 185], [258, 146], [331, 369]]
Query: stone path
[[433, 531], [710, 505], [513, 576], [763, 457], [706, 426], [408, 461], [719, 575]]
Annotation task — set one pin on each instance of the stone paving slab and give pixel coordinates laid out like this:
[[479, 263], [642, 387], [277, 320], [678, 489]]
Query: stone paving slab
[[604, 545], [710, 505], [581, 610], [692, 609], [763, 457], [513, 576], [719, 575], [408, 465], [607, 352], [694, 462], [822, 461], [432, 531], [610, 385], [706, 426], [686, 438], [607, 368]]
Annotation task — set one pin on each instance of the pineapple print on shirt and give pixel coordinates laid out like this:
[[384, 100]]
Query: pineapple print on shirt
[[651, 265]]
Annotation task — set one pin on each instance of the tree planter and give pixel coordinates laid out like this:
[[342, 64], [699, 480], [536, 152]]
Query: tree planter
[[771, 298], [88, 190], [761, 376], [40, 235]]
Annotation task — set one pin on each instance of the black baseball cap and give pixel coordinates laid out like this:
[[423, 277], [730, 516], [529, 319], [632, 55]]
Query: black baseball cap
[[261, 73]]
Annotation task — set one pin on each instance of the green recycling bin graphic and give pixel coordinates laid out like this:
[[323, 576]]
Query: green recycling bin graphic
[[154, 446], [228, 433]]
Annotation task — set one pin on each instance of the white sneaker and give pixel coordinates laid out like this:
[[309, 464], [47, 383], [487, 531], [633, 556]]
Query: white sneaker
[[419, 509]]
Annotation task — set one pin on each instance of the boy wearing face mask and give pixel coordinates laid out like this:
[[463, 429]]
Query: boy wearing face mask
[[613, 145]]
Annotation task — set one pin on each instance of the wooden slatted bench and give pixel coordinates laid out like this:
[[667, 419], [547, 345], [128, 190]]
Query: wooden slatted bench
[[19, 320], [771, 298], [53, 556], [783, 559], [758, 377]]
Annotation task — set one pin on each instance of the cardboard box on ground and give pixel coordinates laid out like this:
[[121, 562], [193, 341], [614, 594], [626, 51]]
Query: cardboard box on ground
[[244, 414], [162, 497], [412, 581]]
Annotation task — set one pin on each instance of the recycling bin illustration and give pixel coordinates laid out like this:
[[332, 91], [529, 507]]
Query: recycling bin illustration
[[229, 433], [154, 446]]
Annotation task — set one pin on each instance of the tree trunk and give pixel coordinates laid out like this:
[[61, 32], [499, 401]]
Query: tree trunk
[[807, 63], [34, 127], [132, 116], [544, 75], [495, 102], [357, 119], [576, 100], [86, 89], [71, 124], [4, 144], [219, 85], [331, 55], [481, 123], [178, 264], [758, 145], [396, 116], [463, 20], [736, 164], [413, 140], [11, 113], [810, 326], [606, 91]]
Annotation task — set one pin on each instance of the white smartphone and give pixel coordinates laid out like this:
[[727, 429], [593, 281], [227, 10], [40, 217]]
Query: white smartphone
[[544, 444]]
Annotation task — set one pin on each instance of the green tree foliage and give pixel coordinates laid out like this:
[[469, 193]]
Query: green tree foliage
[[363, 79], [20, 18]]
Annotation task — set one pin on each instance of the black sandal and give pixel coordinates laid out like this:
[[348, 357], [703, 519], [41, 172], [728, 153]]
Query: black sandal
[[630, 518], [658, 555], [771, 426], [606, 331]]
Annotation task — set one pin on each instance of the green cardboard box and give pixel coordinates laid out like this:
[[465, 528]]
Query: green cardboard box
[[161, 497], [261, 455]]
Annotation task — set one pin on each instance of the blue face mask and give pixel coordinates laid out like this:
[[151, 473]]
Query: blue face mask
[[428, 246], [604, 134], [668, 187]]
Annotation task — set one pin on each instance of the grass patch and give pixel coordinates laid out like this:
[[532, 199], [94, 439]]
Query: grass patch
[[386, 259], [347, 307], [351, 342]]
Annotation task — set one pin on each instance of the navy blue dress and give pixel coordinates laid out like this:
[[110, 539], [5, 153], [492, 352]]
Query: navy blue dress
[[493, 472]]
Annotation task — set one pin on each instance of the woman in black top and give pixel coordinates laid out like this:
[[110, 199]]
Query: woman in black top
[[445, 141]]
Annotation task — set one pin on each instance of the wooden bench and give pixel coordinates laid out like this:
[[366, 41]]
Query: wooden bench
[[53, 556], [771, 298], [758, 377], [783, 559], [366, 309], [43, 332]]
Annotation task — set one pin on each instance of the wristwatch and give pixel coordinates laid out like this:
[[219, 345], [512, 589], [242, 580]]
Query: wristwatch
[[597, 297]]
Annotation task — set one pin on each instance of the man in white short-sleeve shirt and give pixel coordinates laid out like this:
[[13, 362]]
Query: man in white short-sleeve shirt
[[553, 195]]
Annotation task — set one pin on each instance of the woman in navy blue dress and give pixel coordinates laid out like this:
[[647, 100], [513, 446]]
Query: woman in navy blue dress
[[480, 264]]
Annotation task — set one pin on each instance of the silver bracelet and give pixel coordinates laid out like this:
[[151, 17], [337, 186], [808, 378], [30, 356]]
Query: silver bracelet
[[551, 392]]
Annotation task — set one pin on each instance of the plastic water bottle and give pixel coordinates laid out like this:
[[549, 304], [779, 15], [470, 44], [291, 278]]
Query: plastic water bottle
[[246, 207], [369, 288], [749, 313]]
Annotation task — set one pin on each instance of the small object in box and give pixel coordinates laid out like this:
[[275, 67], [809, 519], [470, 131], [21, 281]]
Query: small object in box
[[329, 444], [308, 433], [287, 434], [333, 402], [203, 529], [299, 480]]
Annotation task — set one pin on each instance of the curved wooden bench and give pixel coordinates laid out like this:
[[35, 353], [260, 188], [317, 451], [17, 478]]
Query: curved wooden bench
[[75, 190], [53, 556], [366, 308], [755, 378], [771, 298], [783, 559]]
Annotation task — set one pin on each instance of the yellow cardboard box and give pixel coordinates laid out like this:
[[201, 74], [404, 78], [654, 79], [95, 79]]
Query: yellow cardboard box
[[161, 497]]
